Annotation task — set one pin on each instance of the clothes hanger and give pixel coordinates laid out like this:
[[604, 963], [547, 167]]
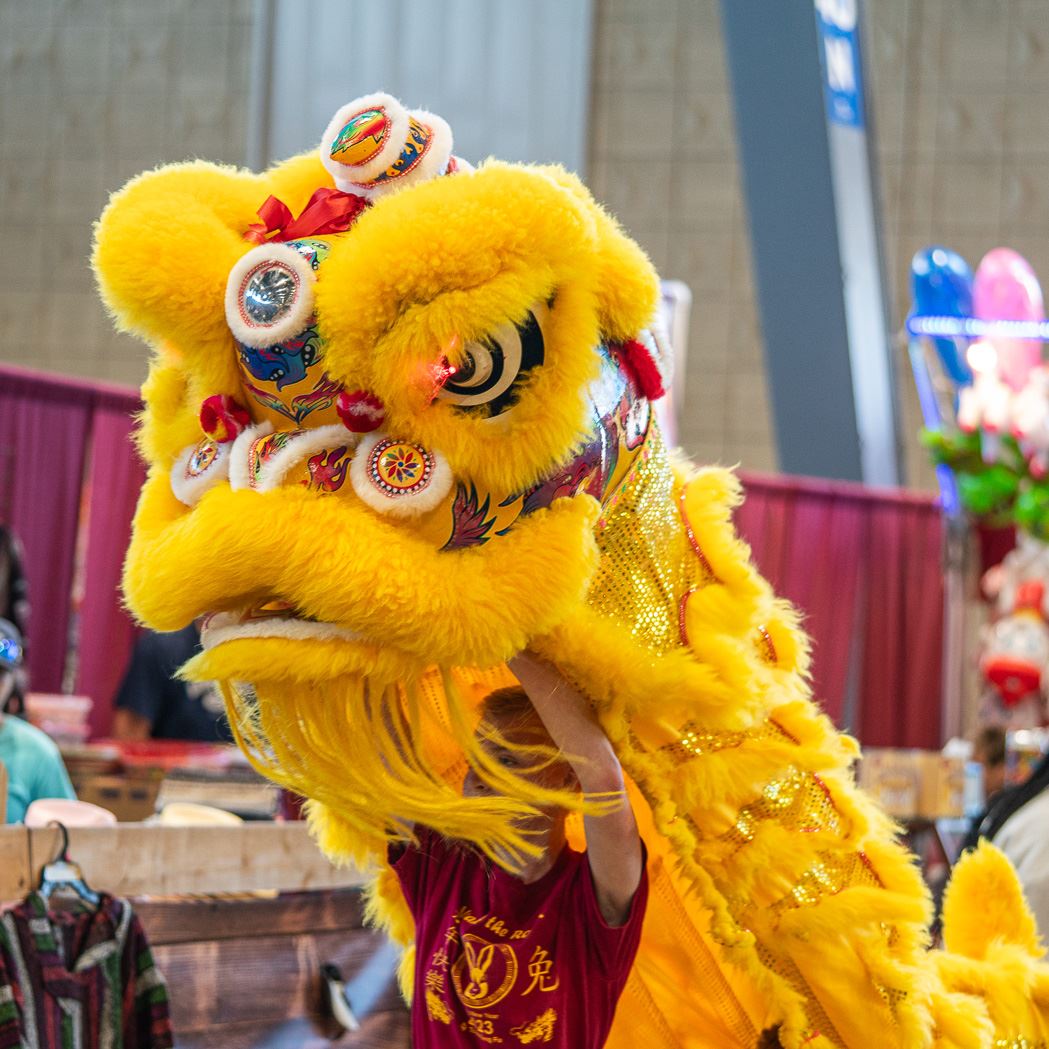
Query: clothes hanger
[[62, 875]]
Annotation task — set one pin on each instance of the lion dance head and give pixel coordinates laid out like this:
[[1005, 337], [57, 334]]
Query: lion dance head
[[399, 426]]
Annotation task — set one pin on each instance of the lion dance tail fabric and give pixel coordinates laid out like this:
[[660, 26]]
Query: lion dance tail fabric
[[399, 427]]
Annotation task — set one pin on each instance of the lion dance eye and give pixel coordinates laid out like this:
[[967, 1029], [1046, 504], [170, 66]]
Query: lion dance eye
[[488, 376], [269, 295]]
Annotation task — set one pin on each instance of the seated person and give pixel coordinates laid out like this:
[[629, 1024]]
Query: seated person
[[152, 703], [989, 751], [14, 591], [34, 766], [541, 954]]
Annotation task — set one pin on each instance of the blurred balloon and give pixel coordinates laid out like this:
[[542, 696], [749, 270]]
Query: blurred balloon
[[1015, 656], [1006, 289], [941, 282]]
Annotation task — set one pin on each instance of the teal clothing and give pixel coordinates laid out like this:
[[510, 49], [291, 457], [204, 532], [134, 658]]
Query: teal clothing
[[34, 767]]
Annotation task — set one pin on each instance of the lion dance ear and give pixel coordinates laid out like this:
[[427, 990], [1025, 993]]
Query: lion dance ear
[[164, 247], [627, 285]]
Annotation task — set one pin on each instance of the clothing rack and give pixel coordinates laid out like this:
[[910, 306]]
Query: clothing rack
[[135, 859]]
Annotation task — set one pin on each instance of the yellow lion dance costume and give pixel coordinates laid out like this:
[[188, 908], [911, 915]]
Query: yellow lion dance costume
[[398, 430]]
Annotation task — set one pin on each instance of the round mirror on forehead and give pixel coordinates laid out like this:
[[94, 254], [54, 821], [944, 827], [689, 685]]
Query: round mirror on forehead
[[269, 295], [269, 292]]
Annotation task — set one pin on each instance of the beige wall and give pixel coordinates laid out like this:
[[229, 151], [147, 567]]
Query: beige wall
[[961, 100], [663, 158], [962, 125], [91, 93]]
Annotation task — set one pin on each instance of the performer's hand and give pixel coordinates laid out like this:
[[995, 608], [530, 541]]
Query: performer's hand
[[613, 843]]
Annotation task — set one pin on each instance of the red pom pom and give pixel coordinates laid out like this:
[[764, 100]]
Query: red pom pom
[[222, 418], [360, 411], [1030, 595], [639, 361]]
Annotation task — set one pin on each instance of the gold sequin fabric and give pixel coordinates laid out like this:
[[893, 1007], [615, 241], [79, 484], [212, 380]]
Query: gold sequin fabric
[[696, 740], [798, 800], [830, 874], [647, 564], [893, 998]]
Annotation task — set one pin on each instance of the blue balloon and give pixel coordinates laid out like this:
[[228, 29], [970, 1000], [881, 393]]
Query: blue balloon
[[942, 285]]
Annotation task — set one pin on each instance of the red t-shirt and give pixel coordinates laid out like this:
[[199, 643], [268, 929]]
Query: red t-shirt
[[500, 962]]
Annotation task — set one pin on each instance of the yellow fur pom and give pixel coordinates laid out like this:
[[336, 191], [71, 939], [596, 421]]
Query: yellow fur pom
[[984, 905]]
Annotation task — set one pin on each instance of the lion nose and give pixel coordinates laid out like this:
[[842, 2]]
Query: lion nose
[[360, 411]]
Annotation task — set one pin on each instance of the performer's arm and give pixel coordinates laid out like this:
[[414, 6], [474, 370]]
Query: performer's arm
[[612, 841]]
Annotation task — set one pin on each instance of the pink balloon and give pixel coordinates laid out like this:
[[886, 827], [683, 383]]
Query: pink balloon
[[1006, 289]]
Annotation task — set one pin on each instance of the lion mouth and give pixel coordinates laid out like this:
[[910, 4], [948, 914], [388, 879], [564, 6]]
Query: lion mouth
[[272, 619]]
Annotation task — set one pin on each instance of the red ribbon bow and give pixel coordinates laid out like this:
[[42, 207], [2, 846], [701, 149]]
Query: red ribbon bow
[[327, 211]]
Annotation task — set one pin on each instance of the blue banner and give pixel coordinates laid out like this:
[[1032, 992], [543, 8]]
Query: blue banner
[[838, 22]]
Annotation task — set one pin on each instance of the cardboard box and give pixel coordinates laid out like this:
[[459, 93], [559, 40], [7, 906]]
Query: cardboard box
[[914, 784], [943, 787], [130, 798], [894, 779]]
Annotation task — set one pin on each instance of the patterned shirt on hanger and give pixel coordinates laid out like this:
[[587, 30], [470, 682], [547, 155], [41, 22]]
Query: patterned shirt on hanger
[[79, 980]]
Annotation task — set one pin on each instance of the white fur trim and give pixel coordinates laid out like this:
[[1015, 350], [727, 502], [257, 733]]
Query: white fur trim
[[302, 444], [347, 175], [238, 465], [407, 505], [189, 488], [436, 159], [357, 178], [228, 626], [291, 323]]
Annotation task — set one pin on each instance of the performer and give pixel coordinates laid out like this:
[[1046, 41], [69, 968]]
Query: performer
[[34, 766], [154, 703], [542, 954]]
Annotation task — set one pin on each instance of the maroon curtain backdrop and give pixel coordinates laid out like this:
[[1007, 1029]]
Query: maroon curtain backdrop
[[115, 475], [48, 427], [900, 683], [864, 567], [44, 431]]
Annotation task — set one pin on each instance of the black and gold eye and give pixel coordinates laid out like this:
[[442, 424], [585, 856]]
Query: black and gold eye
[[488, 377]]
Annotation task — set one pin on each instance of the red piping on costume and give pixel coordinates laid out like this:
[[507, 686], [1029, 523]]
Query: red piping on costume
[[790, 735], [770, 648], [681, 606], [870, 866], [692, 535]]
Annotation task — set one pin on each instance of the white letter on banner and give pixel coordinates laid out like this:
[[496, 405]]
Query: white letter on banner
[[841, 74], [840, 13]]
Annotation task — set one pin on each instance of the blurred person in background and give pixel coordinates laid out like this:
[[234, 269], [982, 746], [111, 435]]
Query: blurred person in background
[[14, 592], [989, 751], [1016, 821], [33, 763], [152, 703]]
